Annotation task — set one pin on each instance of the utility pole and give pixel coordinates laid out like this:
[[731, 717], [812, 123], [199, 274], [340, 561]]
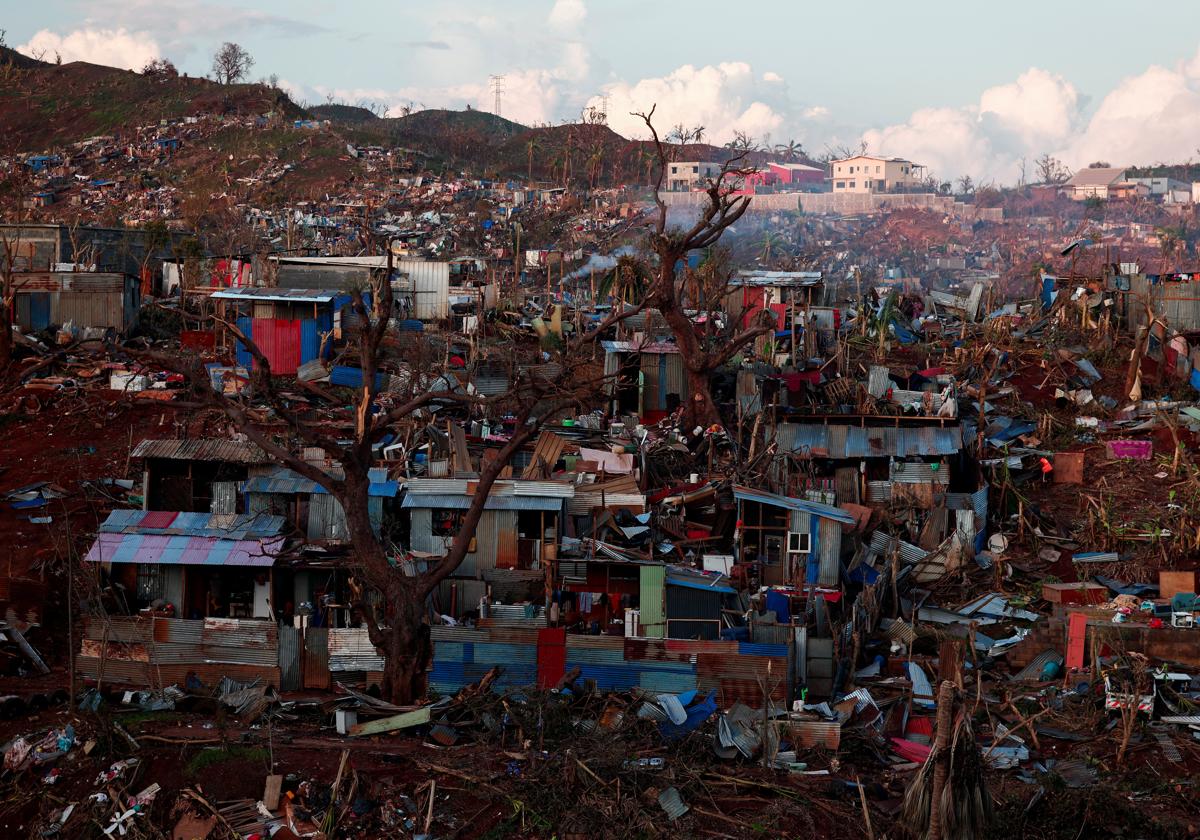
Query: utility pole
[[497, 82]]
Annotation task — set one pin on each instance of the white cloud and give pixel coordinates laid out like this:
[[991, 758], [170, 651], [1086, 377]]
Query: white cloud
[[1035, 114], [724, 98], [112, 47], [568, 15], [1150, 118]]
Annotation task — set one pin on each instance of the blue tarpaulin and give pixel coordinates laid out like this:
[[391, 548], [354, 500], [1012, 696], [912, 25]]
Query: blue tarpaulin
[[696, 715], [777, 603]]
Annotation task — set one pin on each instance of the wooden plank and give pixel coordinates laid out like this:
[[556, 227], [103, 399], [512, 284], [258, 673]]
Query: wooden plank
[[406, 720], [546, 453], [18, 638], [459, 454], [271, 793], [1068, 467]]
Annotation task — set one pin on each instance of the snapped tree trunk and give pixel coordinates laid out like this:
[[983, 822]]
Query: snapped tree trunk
[[941, 751]]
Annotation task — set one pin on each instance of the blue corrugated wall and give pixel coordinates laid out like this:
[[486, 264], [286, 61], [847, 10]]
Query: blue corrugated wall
[[246, 325]]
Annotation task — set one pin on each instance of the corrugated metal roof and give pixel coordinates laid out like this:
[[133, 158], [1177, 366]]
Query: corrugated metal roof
[[182, 550], [746, 494], [841, 441], [204, 449], [881, 545], [705, 584], [222, 526], [878, 380], [549, 489], [280, 295], [452, 502], [776, 278], [649, 347], [919, 472], [287, 482]]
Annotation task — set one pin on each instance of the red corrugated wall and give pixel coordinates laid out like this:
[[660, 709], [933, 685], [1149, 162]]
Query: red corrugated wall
[[279, 340], [552, 656]]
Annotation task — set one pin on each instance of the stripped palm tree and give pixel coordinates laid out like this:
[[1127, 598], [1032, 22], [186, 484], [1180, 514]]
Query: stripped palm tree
[[628, 280], [532, 146], [949, 799]]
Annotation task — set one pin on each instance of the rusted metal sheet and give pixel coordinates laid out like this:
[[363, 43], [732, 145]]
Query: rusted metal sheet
[[114, 650], [506, 538], [78, 281], [350, 649], [203, 449], [217, 647], [90, 309], [143, 674], [316, 658], [817, 733]]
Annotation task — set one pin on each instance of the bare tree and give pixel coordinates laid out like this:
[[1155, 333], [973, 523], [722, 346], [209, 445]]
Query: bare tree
[[392, 598], [13, 191], [1050, 170], [671, 247], [231, 63], [966, 185]]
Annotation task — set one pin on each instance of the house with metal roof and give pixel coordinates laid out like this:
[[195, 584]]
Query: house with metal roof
[[789, 541], [194, 596], [1094, 182], [308, 507], [194, 565], [197, 475], [517, 536], [646, 378], [653, 600], [289, 326]]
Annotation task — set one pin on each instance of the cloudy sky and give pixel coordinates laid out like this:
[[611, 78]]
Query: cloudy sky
[[963, 87]]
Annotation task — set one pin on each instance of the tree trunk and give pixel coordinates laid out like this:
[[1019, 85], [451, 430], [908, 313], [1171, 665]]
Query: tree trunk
[[399, 630], [941, 752], [408, 652], [701, 410], [6, 325]]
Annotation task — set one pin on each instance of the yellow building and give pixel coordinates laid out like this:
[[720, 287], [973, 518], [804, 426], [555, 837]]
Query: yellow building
[[868, 174], [687, 175]]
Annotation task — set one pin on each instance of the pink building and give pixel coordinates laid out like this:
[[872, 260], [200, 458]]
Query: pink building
[[796, 174]]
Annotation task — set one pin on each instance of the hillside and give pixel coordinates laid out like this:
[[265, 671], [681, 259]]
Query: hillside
[[47, 105], [348, 114], [11, 58], [437, 122]]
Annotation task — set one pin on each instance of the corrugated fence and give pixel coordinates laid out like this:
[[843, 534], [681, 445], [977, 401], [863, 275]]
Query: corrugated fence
[[158, 652], [732, 669]]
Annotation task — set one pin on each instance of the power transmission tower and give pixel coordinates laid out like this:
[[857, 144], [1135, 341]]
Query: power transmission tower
[[497, 82]]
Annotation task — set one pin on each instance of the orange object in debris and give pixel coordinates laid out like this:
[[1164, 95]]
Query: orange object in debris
[[1047, 467]]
